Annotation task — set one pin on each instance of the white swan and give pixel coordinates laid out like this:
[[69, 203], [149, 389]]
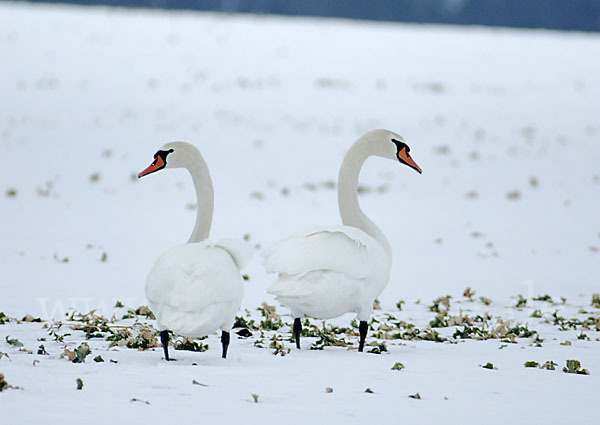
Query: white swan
[[196, 288], [329, 271]]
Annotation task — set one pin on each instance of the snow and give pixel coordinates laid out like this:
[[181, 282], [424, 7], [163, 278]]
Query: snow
[[89, 94]]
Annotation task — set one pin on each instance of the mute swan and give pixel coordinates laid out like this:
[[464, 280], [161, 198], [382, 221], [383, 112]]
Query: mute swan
[[329, 271], [195, 289]]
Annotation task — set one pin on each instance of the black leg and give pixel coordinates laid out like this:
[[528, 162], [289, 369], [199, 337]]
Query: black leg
[[297, 331], [164, 339], [362, 328], [225, 342]]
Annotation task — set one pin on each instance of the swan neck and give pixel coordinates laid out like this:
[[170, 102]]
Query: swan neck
[[204, 198], [350, 211]]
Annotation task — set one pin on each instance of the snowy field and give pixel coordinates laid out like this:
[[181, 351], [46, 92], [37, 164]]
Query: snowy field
[[504, 123]]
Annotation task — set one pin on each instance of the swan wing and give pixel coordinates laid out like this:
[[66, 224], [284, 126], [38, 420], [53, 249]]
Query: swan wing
[[240, 251], [341, 249], [193, 276]]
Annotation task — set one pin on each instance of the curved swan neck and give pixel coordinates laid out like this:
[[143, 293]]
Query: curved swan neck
[[350, 211], [204, 197]]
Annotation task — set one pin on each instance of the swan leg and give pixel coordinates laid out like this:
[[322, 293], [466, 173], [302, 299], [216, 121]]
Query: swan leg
[[297, 331], [225, 342], [164, 339], [362, 328]]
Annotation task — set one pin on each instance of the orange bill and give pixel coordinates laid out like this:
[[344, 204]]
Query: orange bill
[[407, 159], [155, 166]]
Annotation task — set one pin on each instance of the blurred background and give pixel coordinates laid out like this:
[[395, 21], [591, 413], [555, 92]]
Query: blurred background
[[581, 15]]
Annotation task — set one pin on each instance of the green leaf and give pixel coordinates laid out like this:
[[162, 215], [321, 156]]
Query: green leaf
[[532, 364], [79, 383], [98, 359], [14, 342], [488, 365], [42, 350], [398, 366], [81, 353]]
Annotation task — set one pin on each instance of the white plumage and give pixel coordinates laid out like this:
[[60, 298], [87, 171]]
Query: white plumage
[[196, 288], [329, 271]]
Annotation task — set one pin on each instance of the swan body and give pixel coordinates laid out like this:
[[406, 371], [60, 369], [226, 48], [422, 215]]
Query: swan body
[[330, 271], [195, 288]]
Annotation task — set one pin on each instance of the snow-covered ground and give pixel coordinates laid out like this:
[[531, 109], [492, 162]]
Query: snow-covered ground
[[504, 124]]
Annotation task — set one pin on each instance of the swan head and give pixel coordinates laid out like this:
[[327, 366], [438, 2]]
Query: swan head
[[171, 155], [388, 144]]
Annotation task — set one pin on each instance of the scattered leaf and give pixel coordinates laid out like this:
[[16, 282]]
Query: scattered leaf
[[531, 364], [14, 342], [328, 390], [574, 366], [254, 397], [416, 396], [98, 359], [79, 383], [398, 366], [198, 383], [369, 390]]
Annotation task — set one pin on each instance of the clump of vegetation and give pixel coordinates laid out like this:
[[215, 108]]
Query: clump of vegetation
[[42, 350], [596, 300], [546, 298], [574, 366], [379, 348], [4, 318], [13, 341], [521, 301], [416, 396], [278, 346], [189, 344], [440, 302], [3, 384], [98, 359], [398, 366], [468, 293], [549, 365], [271, 320], [531, 364], [489, 365], [79, 383]]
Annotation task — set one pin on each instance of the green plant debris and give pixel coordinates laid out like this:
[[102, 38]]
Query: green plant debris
[[546, 298], [14, 341], [399, 304], [378, 348], [531, 364], [398, 366], [440, 302], [468, 293], [489, 365], [521, 301], [104, 257], [596, 300], [4, 318], [549, 365], [245, 277], [79, 383], [369, 391], [42, 350], [98, 359], [278, 346], [3, 384], [328, 390], [81, 353], [188, 344], [144, 310], [119, 304], [536, 314], [485, 300], [416, 396], [11, 193], [194, 382], [574, 366], [376, 305], [254, 397]]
